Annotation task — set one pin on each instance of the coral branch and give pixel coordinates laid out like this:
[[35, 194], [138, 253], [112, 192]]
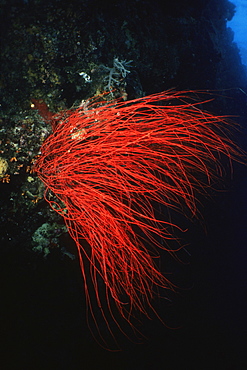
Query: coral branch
[[106, 168]]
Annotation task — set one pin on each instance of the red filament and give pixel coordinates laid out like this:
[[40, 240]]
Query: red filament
[[106, 165]]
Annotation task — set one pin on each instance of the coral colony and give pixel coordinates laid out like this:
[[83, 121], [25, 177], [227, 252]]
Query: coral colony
[[108, 166]]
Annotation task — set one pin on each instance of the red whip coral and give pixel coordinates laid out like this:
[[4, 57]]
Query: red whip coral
[[106, 169]]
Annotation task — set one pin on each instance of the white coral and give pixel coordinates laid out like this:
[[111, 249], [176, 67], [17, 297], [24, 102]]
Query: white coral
[[116, 73]]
